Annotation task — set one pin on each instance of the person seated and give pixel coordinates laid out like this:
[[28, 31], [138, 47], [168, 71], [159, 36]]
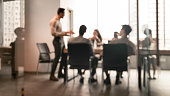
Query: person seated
[[96, 42], [124, 32], [96, 39], [17, 51], [94, 62], [115, 36]]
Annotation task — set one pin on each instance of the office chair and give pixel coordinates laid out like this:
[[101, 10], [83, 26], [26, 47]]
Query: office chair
[[115, 57], [44, 55], [79, 57]]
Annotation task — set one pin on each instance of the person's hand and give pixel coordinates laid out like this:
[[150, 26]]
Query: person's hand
[[95, 37], [71, 32], [68, 33]]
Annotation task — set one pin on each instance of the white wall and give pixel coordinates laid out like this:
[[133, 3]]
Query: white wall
[[37, 16]]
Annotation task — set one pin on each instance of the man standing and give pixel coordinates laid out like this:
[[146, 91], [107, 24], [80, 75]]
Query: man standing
[[58, 43]]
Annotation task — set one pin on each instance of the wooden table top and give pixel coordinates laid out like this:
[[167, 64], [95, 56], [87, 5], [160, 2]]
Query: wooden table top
[[5, 51], [143, 52], [154, 52]]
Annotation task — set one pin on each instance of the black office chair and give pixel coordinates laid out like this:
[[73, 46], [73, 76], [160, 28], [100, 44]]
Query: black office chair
[[44, 56], [79, 57], [115, 57]]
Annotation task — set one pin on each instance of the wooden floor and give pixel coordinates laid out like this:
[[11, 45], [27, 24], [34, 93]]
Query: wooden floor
[[40, 85]]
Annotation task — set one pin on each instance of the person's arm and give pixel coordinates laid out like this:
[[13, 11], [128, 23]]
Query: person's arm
[[91, 48], [151, 40], [131, 48], [97, 39]]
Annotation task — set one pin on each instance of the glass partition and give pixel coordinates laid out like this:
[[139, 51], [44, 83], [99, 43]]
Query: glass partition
[[149, 20], [11, 47]]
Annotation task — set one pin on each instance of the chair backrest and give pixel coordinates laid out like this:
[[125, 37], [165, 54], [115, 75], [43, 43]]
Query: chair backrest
[[79, 55], [115, 57], [44, 51]]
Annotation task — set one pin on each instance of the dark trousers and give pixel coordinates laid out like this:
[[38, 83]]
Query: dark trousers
[[59, 52], [94, 63], [118, 74]]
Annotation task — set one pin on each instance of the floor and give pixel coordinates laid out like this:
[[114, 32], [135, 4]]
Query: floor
[[8, 85], [40, 85]]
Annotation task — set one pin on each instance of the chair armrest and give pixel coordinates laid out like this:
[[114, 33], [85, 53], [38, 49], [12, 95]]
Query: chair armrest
[[91, 57], [128, 60]]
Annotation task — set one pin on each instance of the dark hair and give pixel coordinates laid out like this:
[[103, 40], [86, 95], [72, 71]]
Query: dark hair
[[82, 30], [147, 31], [18, 30], [60, 10], [127, 29], [98, 34]]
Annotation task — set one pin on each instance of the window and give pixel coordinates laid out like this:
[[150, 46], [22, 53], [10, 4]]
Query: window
[[147, 18], [99, 14], [12, 19], [108, 16]]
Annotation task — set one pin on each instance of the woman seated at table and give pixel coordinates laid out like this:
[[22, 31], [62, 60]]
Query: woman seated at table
[[96, 39]]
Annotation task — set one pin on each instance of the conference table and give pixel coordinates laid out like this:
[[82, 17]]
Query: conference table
[[141, 51], [97, 50], [5, 55], [5, 51]]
